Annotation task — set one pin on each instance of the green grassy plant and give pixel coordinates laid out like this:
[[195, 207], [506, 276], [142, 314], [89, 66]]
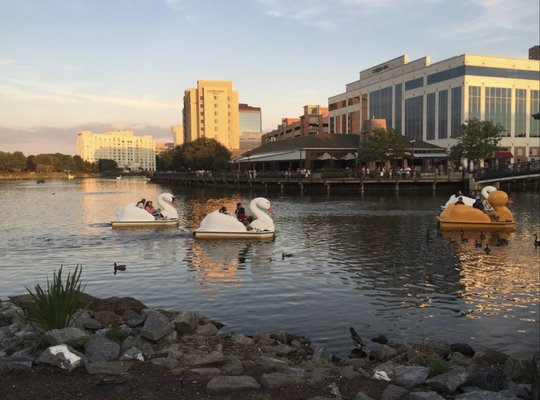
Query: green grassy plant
[[116, 335], [437, 366], [55, 306]]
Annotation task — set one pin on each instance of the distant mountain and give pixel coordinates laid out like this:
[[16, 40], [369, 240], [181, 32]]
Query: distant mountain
[[49, 139]]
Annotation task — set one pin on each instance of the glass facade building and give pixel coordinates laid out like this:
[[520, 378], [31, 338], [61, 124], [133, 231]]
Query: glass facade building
[[430, 102]]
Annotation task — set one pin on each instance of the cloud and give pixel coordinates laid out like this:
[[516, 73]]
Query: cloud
[[50, 139], [26, 89]]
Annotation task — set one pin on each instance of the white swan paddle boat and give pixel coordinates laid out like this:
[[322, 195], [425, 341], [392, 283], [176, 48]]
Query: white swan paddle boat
[[218, 225], [131, 216]]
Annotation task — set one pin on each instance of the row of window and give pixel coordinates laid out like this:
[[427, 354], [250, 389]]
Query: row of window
[[444, 111]]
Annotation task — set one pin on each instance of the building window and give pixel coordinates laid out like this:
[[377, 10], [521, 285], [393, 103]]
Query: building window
[[398, 91], [414, 117], [430, 121], [474, 102], [456, 112], [535, 107], [498, 102], [521, 112], [443, 114], [415, 83], [380, 105]]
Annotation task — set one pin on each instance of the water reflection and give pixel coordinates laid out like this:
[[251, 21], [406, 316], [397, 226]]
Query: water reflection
[[363, 262]]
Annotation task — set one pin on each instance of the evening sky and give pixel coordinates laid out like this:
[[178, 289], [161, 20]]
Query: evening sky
[[102, 64]]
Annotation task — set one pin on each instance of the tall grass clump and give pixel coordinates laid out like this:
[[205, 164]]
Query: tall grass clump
[[55, 306]]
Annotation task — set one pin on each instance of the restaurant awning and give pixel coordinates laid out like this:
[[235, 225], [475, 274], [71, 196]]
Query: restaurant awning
[[349, 156], [503, 154], [326, 156]]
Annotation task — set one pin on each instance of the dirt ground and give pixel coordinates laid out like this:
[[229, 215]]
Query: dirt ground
[[149, 381]]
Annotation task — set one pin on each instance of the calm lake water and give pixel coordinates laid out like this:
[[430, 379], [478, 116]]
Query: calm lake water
[[360, 261]]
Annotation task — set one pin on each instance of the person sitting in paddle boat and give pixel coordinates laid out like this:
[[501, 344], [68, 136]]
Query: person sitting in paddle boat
[[141, 203], [223, 210], [241, 214], [478, 204], [460, 200], [149, 207]]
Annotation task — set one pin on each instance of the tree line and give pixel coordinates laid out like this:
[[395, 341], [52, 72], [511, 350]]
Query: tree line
[[478, 141], [18, 162]]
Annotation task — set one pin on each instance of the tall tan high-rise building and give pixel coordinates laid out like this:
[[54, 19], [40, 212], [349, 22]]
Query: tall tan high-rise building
[[211, 111], [177, 134]]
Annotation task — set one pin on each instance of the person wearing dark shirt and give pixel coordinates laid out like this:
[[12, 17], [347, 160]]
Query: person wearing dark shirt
[[478, 204]]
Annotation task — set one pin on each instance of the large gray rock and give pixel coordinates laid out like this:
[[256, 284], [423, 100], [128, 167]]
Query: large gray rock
[[133, 319], [101, 349], [441, 347], [156, 326], [186, 322], [73, 337], [60, 356], [410, 376], [276, 379], [450, 381], [16, 363], [228, 384], [393, 392], [133, 354], [271, 363], [232, 366], [486, 395], [384, 353], [207, 330], [199, 360], [521, 368], [242, 339]]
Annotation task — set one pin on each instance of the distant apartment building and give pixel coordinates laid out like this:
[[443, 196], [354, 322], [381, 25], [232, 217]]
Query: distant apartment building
[[177, 132], [211, 111], [250, 126], [133, 153], [312, 122], [163, 147], [430, 102]]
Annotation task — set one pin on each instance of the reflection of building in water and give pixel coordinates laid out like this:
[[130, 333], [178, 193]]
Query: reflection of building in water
[[499, 283], [217, 262], [223, 261]]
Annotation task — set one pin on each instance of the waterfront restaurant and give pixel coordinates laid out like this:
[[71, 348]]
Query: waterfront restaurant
[[333, 151]]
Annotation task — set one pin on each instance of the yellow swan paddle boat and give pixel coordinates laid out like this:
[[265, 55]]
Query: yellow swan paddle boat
[[465, 217]]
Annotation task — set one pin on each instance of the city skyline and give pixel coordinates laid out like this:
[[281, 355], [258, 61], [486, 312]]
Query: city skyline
[[72, 65]]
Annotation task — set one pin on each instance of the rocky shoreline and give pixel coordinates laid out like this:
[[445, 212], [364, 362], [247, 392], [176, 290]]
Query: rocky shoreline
[[115, 337]]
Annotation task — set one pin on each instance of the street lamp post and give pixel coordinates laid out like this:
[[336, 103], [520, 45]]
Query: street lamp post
[[412, 142]]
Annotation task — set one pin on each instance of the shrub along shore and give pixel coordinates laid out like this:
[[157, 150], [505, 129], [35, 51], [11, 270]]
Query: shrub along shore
[[111, 336]]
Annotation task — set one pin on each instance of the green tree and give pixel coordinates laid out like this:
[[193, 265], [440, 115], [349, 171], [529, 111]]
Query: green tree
[[203, 153], [44, 163], [383, 145], [107, 166], [479, 140]]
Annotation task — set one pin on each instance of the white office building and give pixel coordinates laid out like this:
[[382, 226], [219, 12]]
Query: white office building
[[131, 153], [429, 102]]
